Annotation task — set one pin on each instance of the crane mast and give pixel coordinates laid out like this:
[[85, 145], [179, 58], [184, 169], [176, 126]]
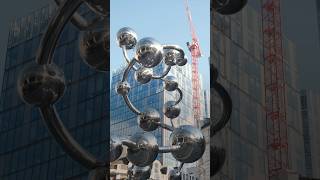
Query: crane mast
[[195, 51], [275, 89]]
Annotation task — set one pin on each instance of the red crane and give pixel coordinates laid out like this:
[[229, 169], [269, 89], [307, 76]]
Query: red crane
[[275, 90], [195, 51]]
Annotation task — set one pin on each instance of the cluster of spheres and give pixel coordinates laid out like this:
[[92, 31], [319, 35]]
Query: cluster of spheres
[[186, 143]]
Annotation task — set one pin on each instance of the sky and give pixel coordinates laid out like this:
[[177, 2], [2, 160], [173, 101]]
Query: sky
[[167, 22]]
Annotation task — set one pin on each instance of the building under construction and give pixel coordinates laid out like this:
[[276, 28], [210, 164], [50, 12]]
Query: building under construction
[[237, 52]]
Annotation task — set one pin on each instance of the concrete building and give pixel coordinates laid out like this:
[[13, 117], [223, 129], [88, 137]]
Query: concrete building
[[27, 149], [310, 103], [236, 47]]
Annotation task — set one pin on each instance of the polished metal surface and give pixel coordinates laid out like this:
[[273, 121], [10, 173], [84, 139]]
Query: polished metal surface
[[170, 83], [170, 56], [181, 61], [123, 88], [146, 151], [171, 109], [139, 173], [149, 52], [127, 37], [143, 75], [149, 120], [94, 50], [116, 148], [41, 84], [191, 141]]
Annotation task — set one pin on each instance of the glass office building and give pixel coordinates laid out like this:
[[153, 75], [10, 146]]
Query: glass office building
[[27, 150], [124, 122], [236, 47]]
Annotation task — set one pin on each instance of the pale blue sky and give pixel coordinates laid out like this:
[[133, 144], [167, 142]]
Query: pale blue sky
[[165, 21]]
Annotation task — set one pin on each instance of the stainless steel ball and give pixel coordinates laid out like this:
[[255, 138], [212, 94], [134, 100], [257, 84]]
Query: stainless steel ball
[[181, 61], [149, 120], [170, 83], [41, 84], [99, 6], [127, 37], [143, 75], [149, 52], [170, 56], [116, 148], [192, 143], [140, 173], [171, 110], [94, 48], [123, 88], [146, 151]]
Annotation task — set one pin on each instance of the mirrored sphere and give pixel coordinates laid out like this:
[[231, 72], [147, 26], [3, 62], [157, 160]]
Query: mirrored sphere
[[127, 37], [116, 148], [192, 143], [181, 61], [170, 83], [146, 151], [171, 110], [94, 48], [149, 52], [123, 88], [143, 75], [41, 84], [170, 56], [149, 120]]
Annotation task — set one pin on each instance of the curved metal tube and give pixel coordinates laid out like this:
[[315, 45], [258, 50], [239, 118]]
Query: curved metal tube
[[168, 149], [131, 106], [55, 27], [167, 70], [126, 57], [227, 109], [129, 143], [67, 142], [78, 20], [165, 126], [175, 47], [127, 70], [181, 96]]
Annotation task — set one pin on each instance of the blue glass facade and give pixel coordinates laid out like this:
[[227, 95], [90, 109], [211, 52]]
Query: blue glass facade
[[124, 122], [27, 150]]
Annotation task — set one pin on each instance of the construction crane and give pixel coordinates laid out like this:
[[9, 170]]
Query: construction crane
[[195, 51], [275, 90]]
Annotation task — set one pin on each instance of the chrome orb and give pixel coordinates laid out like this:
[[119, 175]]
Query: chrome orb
[[192, 143], [100, 7], [170, 56], [143, 75], [174, 175], [94, 48], [116, 148], [145, 152], [171, 109], [181, 61], [127, 37], [149, 52], [41, 84], [170, 83], [140, 173], [149, 120], [123, 88]]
